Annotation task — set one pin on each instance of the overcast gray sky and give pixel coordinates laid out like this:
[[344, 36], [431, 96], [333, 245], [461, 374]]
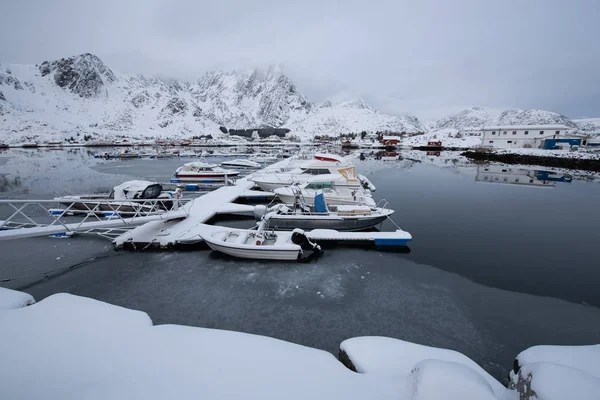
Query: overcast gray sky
[[416, 56]]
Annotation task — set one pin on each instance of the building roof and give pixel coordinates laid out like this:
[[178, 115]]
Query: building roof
[[391, 138], [521, 127]]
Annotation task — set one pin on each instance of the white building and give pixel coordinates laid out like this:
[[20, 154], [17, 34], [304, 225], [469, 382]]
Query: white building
[[521, 136], [470, 131]]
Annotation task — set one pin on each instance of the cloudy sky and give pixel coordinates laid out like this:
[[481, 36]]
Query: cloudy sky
[[423, 57]]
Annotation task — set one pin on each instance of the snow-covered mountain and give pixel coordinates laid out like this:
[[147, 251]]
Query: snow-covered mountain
[[471, 117], [482, 116], [80, 94]]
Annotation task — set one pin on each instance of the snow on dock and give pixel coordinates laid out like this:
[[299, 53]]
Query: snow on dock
[[168, 233]]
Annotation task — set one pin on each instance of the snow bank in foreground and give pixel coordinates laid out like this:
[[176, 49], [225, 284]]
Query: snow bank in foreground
[[387, 356], [435, 379], [547, 381], [584, 358], [13, 299], [72, 347]]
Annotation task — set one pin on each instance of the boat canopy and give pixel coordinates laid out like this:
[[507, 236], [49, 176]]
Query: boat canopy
[[137, 189]]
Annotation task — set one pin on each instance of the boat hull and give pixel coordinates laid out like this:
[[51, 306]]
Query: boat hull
[[335, 223], [254, 253], [310, 200]]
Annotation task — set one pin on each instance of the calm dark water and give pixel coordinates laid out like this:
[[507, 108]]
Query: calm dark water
[[493, 269]]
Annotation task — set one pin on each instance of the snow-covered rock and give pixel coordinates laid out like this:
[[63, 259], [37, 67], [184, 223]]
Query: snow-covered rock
[[10, 299], [388, 356], [548, 381], [442, 380], [584, 358]]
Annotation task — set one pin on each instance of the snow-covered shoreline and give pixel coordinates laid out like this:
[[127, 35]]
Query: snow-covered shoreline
[[67, 346]]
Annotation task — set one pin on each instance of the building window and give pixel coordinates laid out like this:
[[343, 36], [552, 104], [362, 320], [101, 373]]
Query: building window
[[527, 132], [531, 181], [486, 169], [516, 180], [493, 133], [558, 132], [510, 141], [541, 132], [505, 179], [503, 170], [504, 133], [491, 141], [514, 132]]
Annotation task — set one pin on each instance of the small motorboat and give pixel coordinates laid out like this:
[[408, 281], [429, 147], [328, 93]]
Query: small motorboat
[[263, 158], [240, 163], [335, 193], [322, 216], [262, 244], [118, 200], [203, 172]]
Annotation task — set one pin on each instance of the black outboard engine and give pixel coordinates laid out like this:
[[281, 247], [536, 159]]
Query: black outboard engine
[[300, 238]]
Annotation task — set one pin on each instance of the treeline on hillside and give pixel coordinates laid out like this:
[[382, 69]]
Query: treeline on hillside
[[262, 132]]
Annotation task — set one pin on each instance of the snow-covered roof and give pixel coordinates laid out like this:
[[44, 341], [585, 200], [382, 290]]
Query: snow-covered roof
[[520, 127], [471, 128], [391, 138]]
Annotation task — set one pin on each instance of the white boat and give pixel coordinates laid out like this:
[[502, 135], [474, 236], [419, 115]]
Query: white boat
[[202, 172], [322, 216], [240, 162], [261, 244], [263, 158], [322, 164], [333, 186], [117, 200]]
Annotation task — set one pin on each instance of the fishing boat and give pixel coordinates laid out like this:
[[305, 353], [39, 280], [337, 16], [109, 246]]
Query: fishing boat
[[263, 158], [118, 199], [238, 162], [321, 164], [202, 172], [262, 244], [321, 216], [333, 186]]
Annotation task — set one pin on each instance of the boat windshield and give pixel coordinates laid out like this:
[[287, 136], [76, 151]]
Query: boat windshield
[[319, 185], [316, 171]]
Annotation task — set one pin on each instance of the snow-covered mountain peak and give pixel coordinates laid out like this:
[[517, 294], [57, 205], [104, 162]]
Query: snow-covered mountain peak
[[84, 75], [357, 103], [516, 116]]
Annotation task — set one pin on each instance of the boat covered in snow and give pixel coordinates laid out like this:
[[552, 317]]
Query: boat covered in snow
[[202, 172], [321, 216], [333, 186], [240, 163], [321, 164], [262, 244], [118, 199]]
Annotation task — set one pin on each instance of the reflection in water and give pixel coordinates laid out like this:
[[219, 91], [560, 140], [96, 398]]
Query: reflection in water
[[519, 176]]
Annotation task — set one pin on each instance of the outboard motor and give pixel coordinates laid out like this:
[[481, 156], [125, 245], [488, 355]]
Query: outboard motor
[[300, 238]]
